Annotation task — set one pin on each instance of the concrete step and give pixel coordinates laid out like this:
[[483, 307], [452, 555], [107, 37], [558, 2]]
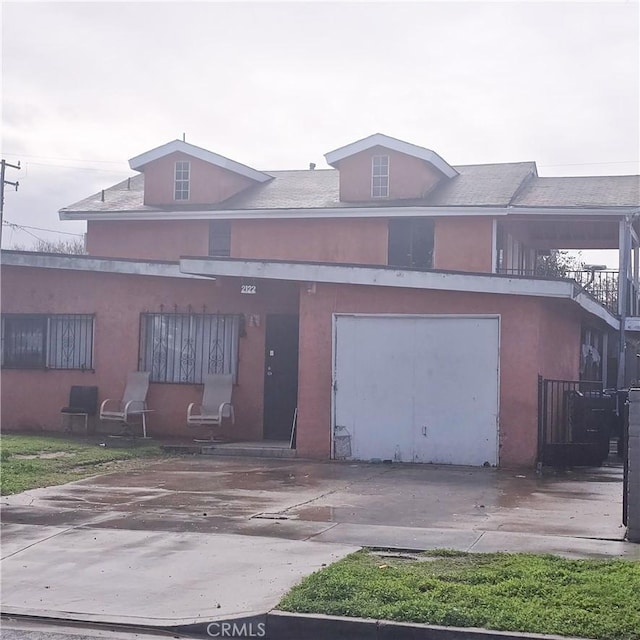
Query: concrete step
[[240, 449]]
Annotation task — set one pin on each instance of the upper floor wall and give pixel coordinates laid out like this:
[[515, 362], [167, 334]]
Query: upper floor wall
[[457, 244], [407, 177], [197, 181]]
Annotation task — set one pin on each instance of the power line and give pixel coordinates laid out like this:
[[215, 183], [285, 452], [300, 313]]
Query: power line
[[66, 166], [22, 155], [19, 228], [24, 226], [584, 164], [568, 164]]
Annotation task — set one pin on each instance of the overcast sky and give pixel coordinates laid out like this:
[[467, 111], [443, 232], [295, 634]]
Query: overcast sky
[[86, 86]]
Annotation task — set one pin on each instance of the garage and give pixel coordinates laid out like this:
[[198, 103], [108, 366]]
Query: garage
[[416, 388]]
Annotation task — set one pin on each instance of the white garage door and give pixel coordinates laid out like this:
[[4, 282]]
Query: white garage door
[[416, 389]]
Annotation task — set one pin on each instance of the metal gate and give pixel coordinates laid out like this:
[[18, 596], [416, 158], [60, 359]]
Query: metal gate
[[573, 422]]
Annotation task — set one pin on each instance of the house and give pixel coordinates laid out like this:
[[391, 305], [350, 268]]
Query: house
[[393, 299]]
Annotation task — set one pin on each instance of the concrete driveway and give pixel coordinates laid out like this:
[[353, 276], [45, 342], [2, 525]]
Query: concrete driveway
[[205, 538]]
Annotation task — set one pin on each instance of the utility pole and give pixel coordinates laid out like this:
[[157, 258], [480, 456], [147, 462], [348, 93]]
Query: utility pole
[[3, 165]]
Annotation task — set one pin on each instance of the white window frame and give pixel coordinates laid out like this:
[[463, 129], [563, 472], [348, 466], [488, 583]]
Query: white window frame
[[182, 180], [380, 176]]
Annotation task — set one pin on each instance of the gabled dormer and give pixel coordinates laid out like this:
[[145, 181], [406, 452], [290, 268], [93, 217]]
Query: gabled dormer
[[178, 173], [379, 168]]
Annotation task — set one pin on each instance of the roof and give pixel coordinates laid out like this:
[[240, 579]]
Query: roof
[[593, 191], [139, 162], [476, 185], [333, 158], [506, 186]]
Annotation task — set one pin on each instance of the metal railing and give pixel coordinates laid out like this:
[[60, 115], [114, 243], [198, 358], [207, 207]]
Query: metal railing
[[601, 285]]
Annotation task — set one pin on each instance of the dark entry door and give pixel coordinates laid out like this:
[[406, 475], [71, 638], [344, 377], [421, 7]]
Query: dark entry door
[[281, 376]]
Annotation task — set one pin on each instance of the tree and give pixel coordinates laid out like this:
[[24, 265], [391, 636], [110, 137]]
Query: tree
[[71, 247], [557, 264]]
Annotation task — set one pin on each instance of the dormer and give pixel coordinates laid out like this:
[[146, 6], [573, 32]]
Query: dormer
[[380, 168], [178, 174]]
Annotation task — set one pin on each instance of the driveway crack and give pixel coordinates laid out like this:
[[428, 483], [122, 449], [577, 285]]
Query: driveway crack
[[344, 487]]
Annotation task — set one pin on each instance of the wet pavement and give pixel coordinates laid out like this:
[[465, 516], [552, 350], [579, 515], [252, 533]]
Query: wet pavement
[[293, 499], [197, 538]]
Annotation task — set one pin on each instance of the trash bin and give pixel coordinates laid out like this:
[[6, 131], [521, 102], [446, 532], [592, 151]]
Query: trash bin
[[593, 414]]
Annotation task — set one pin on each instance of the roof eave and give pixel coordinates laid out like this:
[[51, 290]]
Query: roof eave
[[392, 277], [342, 212], [139, 162], [334, 157]]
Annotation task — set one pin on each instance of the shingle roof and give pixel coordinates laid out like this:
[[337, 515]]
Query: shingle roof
[[482, 185], [498, 185], [594, 191]]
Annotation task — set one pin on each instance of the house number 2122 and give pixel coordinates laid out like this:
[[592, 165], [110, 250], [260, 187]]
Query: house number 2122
[[248, 288]]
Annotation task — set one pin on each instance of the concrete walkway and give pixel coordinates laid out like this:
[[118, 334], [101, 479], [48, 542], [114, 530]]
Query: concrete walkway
[[194, 540]]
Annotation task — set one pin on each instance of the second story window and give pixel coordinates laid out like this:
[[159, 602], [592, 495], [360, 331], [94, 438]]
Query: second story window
[[220, 238], [380, 177], [181, 189], [411, 243]]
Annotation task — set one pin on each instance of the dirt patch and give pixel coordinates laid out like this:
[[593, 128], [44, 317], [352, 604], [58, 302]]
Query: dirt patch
[[43, 456], [112, 466]]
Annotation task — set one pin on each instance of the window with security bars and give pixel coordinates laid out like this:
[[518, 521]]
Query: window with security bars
[[37, 341], [181, 191], [380, 177], [185, 347]]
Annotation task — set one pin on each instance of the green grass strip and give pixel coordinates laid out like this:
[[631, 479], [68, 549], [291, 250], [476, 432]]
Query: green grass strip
[[509, 592], [76, 460]]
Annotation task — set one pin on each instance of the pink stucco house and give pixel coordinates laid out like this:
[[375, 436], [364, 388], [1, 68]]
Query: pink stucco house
[[394, 299]]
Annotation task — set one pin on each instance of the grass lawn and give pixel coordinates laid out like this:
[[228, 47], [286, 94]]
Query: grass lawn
[[41, 461], [510, 592]]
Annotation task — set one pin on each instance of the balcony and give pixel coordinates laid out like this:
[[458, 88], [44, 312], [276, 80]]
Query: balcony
[[602, 285]]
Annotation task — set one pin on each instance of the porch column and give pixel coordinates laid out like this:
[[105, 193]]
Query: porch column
[[624, 244]]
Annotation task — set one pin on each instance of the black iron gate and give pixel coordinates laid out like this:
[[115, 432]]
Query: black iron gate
[[574, 422]]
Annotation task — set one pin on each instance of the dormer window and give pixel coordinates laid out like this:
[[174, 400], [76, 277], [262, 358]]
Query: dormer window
[[380, 177], [181, 189]]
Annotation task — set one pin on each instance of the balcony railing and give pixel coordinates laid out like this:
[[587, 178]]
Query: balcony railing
[[602, 285]]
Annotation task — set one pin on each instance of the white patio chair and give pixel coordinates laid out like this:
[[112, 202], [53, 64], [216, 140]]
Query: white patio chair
[[133, 405], [216, 403]]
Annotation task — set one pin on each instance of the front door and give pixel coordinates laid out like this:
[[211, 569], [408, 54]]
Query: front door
[[281, 376]]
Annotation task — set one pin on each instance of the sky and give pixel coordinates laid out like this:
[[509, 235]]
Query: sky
[[88, 85]]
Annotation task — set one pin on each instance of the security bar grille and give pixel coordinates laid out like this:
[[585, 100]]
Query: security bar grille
[[37, 341], [185, 347]]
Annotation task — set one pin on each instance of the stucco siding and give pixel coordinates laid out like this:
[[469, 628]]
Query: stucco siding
[[117, 301], [361, 241], [208, 184], [409, 177], [148, 240], [519, 362], [463, 244]]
